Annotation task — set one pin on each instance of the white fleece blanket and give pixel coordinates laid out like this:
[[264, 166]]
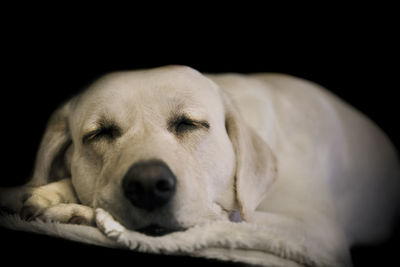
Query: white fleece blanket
[[228, 241]]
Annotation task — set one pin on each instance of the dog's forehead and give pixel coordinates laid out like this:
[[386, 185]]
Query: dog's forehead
[[159, 90], [160, 85]]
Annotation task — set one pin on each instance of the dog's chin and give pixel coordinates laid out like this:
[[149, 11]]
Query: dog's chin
[[157, 230]]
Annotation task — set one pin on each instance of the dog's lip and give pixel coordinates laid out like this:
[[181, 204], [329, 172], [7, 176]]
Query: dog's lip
[[157, 230]]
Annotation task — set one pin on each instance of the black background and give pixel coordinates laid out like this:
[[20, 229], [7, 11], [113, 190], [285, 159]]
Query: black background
[[43, 66]]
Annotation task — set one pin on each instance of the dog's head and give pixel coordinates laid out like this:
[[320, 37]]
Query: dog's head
[[161, 150]]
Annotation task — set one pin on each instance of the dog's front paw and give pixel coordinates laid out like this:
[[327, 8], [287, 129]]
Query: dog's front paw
[[36, 204], [41, 200], [70, 213], [106, 223], [47, 205]]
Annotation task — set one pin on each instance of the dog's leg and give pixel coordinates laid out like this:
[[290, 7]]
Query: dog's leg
[[45, 196], [71, 213], [56, 202]]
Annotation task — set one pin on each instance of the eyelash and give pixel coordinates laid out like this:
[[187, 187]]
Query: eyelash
[[184, 124], [109, 132]]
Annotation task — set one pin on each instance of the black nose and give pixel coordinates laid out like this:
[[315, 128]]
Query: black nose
[[149, 184]]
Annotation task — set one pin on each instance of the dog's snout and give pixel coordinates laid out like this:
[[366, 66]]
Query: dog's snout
[[149, 184]]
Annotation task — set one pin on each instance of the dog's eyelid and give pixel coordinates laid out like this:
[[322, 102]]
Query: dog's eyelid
[[203, 123], [90, 135], [184, 123], [102, 130]]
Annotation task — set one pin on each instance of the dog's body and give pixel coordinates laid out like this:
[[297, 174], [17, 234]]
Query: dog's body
[[284, 151], [335, 150]]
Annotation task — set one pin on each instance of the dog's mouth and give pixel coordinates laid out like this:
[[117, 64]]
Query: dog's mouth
[[157, 230]]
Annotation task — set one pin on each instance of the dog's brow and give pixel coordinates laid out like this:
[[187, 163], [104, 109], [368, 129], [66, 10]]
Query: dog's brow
[[181, 109]]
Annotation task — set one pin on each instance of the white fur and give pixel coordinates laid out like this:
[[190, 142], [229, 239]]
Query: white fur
[[308, 172]]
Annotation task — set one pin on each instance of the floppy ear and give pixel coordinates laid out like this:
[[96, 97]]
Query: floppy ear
[[51, 159], [256, 165]]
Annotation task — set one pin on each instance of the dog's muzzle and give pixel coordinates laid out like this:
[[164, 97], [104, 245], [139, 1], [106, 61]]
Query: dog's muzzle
[[149, 185]]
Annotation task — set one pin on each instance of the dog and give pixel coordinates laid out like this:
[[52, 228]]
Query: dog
[[165, 149]]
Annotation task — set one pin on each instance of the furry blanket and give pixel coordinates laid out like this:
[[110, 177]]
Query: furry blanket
[[228, 241]]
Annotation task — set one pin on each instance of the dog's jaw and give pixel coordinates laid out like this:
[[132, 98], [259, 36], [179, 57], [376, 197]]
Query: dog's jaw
[[157, 230]]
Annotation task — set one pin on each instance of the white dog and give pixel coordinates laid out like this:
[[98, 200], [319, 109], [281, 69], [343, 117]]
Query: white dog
[[165, 149]]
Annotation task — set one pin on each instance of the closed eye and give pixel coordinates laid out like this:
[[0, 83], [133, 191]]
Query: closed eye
[[108, 132], [183, 124]]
